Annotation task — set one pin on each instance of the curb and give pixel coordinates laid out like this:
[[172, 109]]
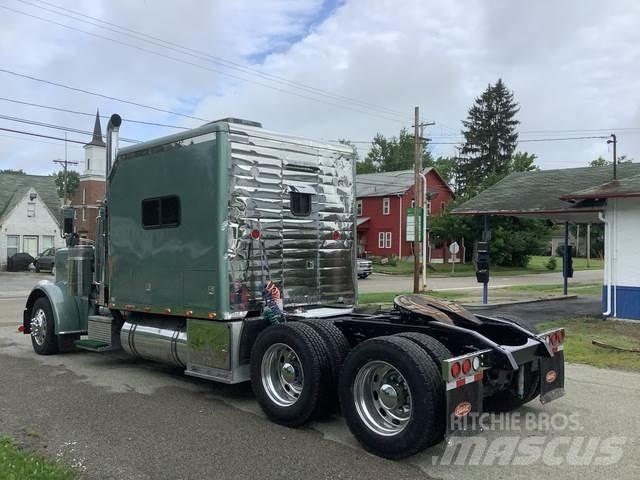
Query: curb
[[481, 306]]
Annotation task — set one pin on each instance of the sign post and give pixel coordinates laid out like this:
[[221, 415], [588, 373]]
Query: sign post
[[411, 234], [454, 248]]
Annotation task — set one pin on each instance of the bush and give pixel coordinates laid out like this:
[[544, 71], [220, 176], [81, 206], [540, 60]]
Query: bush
[[552, 264]]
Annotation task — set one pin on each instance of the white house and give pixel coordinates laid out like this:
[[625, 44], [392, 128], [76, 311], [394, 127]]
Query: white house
[[29, 215], [621, 203]]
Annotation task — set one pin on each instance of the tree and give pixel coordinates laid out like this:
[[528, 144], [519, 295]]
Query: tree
[[73, 182], [490, 140], [599, 162], [603, 162], [393, 154], [15, 172], [523, 162]]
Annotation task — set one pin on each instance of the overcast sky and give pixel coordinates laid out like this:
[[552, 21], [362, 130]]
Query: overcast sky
[[345, 69]]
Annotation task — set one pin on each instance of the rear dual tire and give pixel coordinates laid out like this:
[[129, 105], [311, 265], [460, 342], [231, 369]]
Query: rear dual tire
[[392, 397], [291, 373]]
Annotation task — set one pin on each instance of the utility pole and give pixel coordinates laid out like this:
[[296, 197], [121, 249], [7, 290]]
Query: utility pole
[[417, 183], [64, 164], [614, 140], [418, 195]]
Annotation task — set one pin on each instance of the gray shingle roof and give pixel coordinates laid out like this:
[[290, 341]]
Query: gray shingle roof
[[385, 183], [538, 193], [13, 187], [626, 187]]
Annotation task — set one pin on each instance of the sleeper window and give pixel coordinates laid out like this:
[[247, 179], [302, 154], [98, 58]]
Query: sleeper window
[[161, 212], [300, 204]]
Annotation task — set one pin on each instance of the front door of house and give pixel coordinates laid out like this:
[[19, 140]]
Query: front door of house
[[30, 245]]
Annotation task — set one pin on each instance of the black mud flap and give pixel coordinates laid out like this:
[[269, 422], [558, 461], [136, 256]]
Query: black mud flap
[[464, 405], [552, 377]]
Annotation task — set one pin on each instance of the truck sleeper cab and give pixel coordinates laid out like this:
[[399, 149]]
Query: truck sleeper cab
[[229, 252]]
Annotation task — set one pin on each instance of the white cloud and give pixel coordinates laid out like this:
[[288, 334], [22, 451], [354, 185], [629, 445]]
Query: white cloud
[[571, 64]]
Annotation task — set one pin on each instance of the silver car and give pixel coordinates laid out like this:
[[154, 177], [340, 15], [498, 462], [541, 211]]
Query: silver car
[[365, 267]]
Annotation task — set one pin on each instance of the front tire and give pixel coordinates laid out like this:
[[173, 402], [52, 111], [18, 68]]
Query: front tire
[[392, 397], [290, 373], [37, 267], [43, 337]]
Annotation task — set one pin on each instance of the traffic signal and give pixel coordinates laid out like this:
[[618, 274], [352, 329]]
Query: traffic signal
[[567, 262], [482, 264]]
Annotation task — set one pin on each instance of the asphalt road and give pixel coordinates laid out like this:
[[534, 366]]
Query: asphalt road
[[113, 417], [397, 283]]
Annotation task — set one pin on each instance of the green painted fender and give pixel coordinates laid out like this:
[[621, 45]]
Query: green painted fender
[[69, 313]]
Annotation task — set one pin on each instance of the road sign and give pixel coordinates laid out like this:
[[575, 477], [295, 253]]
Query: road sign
[[454, 248], [411, 232]]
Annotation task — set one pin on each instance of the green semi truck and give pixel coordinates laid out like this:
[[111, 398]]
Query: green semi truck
[[228, 251]]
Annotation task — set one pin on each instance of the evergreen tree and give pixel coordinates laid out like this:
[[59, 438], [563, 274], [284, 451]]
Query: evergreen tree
[[490, 140]]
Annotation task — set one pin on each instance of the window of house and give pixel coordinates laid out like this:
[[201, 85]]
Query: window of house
[[13, 242], [300, 204], [413, 204], [429, 207], [84, 214], [359, 207], [47, 242], [88, 164], [384, 239], [161, 212], [84, 195], [386, 206], [31, 209]]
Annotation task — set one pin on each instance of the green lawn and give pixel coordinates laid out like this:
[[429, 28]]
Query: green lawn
[[574, 288], [537, 264], [16, 464], [580, 333]]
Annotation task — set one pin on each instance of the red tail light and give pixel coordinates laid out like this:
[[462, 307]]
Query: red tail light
[[335, 235], [21, 329], [554, 338], [455, 369], [466, 366], [561, 336], [255, 234]]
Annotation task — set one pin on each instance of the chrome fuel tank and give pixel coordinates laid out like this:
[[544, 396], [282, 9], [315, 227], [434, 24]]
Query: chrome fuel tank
[[159, 339]]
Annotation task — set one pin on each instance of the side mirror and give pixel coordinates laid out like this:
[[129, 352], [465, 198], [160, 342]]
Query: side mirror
[[67, 220]]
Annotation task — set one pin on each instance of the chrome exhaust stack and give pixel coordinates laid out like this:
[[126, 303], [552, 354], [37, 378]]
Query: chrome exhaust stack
[[102, 239], [113, 128]]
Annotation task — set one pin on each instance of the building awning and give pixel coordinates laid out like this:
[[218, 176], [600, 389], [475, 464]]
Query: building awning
[[362, 220], [627, 187]]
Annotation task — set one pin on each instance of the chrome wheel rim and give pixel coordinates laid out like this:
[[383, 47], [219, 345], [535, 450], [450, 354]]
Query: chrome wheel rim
[[382, 398], [282, 375], [39, 327]]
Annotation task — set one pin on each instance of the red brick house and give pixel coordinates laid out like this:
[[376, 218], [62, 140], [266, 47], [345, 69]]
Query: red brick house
[[90, 194], [382, 203]]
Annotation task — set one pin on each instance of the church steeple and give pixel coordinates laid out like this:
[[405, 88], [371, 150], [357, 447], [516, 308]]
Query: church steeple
[[97, 133]]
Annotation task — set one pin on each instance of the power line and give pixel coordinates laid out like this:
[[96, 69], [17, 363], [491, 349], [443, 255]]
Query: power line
[[101, 95], [86, 114], [22, 132], [551, 139], [208, 57], [34, 140], [57, 127], [179, 60]]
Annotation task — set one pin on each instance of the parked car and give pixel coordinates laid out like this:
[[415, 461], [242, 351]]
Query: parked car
[[19, 262], [365, 267], [46, 260]]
